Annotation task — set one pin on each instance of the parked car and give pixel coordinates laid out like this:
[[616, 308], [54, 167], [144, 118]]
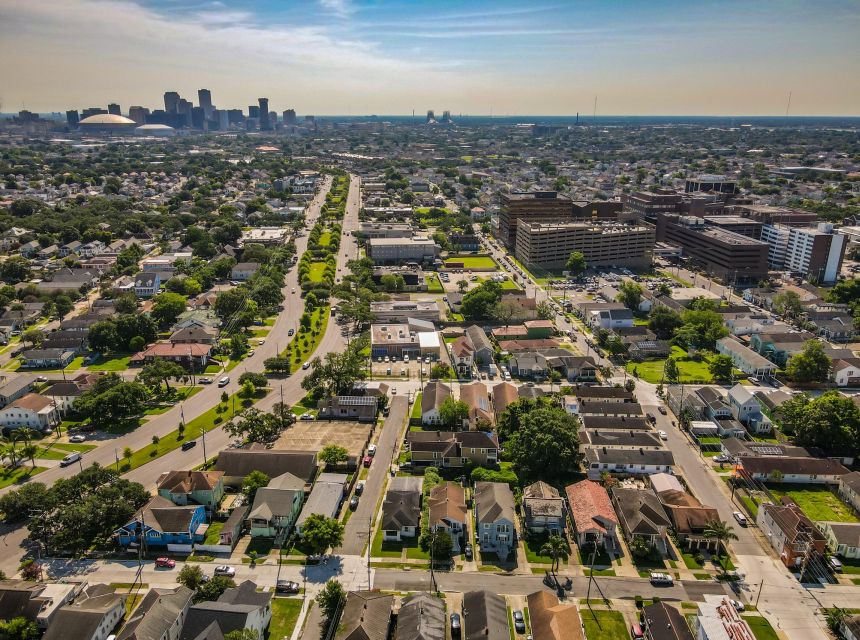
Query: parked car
[[190, 444], [291, 332], [636, 632], [722, 458], [78, 437], [353, 503], [306, 365], [662, 410], [657, 578], [205, 380], [72, 458], [467, 551], [519, 622], [835, 564], [371, 450], [224, 570], [223, 382], [286, 586], [307, 416], [359, 488], [367, 461], [741, 518], [165, 563], [455, 625], [663, 435]]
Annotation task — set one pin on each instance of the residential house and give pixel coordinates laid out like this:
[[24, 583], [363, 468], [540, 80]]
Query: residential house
[[690, 518], [594, 519], [790, 532], [544, 509], [552, 620], [47, 252], [32, 411], [485, 616], [619, 439], [238, 463], [366, 616], [641, 516], [401, 509], [747, 410], [33, 601], [453, 449], [93, 615], [463, 356], [195, 333], [192, 487], [233, 526], [717, 619], [843, 538], [477, 398], [745, 359], [849, 489], [593, 393], [850, 627], [421, 617], [538, 329], [14, 387], [146, 284], [779, 347], [495, 517], [160, 523], [58, 358], [627, 461], [715, 404], [192, 356], [846, 372], [483, 351], [243, 271], [434, 394], [447, 511], [324, 499], [600, 408], [28, 249], [361, 408], [245, 606], [791, 469], [159, 616], [662, 621], [641, 350], [504, 394], [610, 318]]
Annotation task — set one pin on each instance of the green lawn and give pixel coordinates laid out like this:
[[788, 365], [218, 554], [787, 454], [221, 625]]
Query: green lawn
[[433, 284], [285, 613], [819, 503], [59, 450], [315, 273], [604, 625], [75, 364], [183, 393], [416, 407], [509, 285], [304, 343], [383, 549], [690, 371], [17, 476], [474, 262], [761, 628], [690, 561], [325, 239], [213, 533], [112, 363]]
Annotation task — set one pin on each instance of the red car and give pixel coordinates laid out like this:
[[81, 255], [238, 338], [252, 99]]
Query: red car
[[168, 563], [367, 460]]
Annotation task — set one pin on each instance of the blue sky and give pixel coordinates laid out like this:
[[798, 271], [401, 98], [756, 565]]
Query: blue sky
[[388, 57]]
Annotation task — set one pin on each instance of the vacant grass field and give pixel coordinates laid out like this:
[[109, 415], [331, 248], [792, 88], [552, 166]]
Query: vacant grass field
[[285, 613], [17, 476], [433, 284], [604, 625], [690, 371], [819, 503], [213, 533], [59, 450], [509, 285], [474, 262], [761, 628], [115, 362]]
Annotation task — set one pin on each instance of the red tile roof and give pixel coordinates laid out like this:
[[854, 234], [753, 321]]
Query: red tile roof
[[587, 500]]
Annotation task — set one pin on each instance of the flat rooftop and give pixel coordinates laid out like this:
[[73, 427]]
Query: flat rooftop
[[313, 435]]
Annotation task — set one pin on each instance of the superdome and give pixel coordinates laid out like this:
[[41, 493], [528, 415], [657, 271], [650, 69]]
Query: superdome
[[108, 119], [155, 130]]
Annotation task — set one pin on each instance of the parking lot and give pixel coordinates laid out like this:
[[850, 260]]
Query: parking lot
[[399, 368]]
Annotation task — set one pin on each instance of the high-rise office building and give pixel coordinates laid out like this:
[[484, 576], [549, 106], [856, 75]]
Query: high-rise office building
[[72, 118], [431, 117], [290, 117], [235, 116], [113, 109], [171, 101], [222, 116], [92, 111], [138, 114], [204, 97], [198, 118], [811, 252], [265, 124], [253, 111], [532, 206], [184, 110]]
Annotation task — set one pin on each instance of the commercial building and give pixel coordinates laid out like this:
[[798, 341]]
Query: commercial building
[[775, 215], [269, 236], [814, 253], [402, 311], [385, 230], [532, 206], [398, 250], [265, 123], [647, 204], [549, 245], [711, 183], [726, 254], [736, 224]]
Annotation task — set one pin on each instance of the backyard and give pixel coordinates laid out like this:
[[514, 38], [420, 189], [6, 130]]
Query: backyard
[[688, 370], [819, 503]]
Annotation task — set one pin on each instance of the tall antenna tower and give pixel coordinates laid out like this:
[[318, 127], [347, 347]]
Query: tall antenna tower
[[788, 106], [595, 107]]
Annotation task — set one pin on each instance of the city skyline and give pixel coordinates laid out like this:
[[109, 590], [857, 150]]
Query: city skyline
[[344, 58]]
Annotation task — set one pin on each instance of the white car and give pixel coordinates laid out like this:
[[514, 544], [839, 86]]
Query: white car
[[371, 450], [224, 570], [663, 435], [741, 518], [78, 438], [661, 578], [306, 365]]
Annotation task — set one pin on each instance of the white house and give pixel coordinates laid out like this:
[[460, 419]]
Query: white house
[[843, 538], [846, 372], [627, 461], [611, 318], [94, 615], [495, 517], [33, 411], [244, 271], [146, 284], [849, 489], [747, 410], [744, 358], [434, 394]]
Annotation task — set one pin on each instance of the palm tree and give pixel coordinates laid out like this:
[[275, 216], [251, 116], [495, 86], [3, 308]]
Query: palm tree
[[29, 450], [556, 548], [722, 533], [834, 618], [554, 378], [8, 450]]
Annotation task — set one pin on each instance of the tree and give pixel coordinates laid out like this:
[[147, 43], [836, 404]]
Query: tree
[[576, 263], [253, 481], [166, 307], [258, 380], [114, 405], [462, 285], [254, 425], [630, 383], [330, 598], [213, 589], [663, 289], [333, 454], [392, 282], [480, 302], [722, 533], [630, 294], [34, 336], [810, 365], [556, 548], [159, 372], [788, 304], [319, 533], [14, 270], [663, 321], [17, 505], [640, 548], [546, 443], [102, 336], [701, 329], [441, 370], [670, 371], [544, 310], [277, 365], [242, 634], [835, 616], [721, 367], [230, 302], [830, 422], [441, 547], [19, 628], [453, 413], [191, 576], [337, 373]]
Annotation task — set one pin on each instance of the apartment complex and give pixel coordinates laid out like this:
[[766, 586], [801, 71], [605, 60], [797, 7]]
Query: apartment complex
[[548, 245], [532, 206], [725, 254]]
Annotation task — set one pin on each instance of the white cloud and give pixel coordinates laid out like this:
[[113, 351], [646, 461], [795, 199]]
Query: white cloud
[[340, 7]]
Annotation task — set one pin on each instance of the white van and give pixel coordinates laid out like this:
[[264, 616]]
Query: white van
[[223, 382], [72, 458]]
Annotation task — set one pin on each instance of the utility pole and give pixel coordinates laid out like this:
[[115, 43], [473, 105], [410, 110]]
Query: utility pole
[[369, 544], [759, 593]]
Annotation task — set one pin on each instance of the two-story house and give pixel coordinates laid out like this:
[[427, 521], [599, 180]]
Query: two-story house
[[463, 356], [747, 410], [276, 506], [642, 516], [243, 271], [453, 449], [849, 489], [447, 512], [192, 487], [790, 532], [159, 616], [544, 509], [434, 394], [146, 284], [495, 515], [401, 509]]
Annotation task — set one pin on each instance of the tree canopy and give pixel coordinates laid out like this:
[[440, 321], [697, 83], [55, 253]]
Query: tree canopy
[[830, 422], [812, 364]]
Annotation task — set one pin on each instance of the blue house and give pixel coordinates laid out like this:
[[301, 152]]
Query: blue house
[[161, 523]]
